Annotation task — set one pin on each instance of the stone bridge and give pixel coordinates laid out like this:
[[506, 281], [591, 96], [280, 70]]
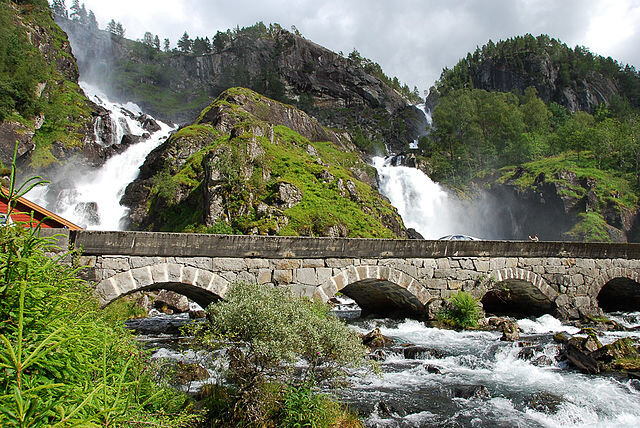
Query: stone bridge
[[385, 277]]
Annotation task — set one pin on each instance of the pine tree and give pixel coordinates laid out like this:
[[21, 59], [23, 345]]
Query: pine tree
[[92, 21], [111, 27], [119, 30], [156, 42], [167, 45], [184, 44], [59, 8], [147, 39], [75, 10]]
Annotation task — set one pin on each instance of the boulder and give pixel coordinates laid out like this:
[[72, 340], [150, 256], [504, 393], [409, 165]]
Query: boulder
[[375, 339]]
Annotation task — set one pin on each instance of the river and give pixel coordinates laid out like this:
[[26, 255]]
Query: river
[[470, 378]]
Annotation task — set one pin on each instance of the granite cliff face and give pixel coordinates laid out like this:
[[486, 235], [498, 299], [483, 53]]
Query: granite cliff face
[[277, 63], [573, 78], [563, 205], [252, 165]]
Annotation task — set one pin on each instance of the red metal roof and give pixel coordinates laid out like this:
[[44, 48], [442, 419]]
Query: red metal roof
[[24, 208]]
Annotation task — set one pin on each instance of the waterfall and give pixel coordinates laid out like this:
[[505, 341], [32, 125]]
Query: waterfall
[[422, 203], [91, 199]]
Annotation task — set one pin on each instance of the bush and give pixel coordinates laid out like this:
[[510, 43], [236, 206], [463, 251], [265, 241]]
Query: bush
[[62, 363], [462, 310], [266, 333]]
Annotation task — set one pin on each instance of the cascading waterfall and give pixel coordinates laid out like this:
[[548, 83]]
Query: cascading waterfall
[[93, 198], [422, 203]]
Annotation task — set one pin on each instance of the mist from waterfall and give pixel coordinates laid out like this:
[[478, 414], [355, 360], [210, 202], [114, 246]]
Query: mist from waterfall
[[91, 197]]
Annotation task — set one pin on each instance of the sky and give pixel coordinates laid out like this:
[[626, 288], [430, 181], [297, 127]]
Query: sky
[[411, 39]]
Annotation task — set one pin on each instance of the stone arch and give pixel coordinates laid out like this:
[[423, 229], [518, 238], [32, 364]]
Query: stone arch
[[382, 290], [201, 286], [616, 289], [515, 290]]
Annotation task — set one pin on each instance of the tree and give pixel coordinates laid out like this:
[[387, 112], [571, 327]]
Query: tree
[[184, 44], [75, 10], [112, 27], [220, 40], [92, 22], [266, 331], [201, 46], [167, 45], [156, 42], [119, 30], [147, 39], [59, 8]]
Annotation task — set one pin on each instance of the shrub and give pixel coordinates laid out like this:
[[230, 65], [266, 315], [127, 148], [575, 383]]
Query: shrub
[[265, 331], [462, 310], [62, 363]]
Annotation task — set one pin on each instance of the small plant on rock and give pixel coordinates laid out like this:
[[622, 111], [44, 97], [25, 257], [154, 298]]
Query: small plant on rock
[[461, 310]]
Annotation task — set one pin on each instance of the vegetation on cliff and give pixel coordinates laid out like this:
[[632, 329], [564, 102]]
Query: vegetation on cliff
[[591, 160], [40, 101], [240, 168], [550, 66], [175, 84]]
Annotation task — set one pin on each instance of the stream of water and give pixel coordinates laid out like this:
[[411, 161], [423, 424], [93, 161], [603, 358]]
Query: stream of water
[[91, 198]]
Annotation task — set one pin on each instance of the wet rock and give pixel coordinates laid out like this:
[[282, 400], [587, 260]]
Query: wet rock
[[387, 410], [620, 355], [378, 355], [149, 124], [432, 369], [528, 353], [189, 372], [542, 361], [472, 392], [544, 402], [375, 339], [510, 328]]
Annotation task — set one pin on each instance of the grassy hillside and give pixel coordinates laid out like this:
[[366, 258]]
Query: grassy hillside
[[39, 94], [254, 162]]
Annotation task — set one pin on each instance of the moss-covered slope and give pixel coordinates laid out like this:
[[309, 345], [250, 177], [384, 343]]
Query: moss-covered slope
[[252, 165], [41, 105]]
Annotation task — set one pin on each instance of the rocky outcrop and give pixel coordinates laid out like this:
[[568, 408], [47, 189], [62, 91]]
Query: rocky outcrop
[[67, 126], [589, 356], [554, 205], [256, 166], [523, 69], [277, 63]]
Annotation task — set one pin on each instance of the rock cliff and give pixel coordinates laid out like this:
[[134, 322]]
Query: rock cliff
[[283, 66], [564, 203], [573, 78], [252, 165], [61, 126]]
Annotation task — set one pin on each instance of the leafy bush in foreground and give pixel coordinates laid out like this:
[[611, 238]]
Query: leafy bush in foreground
[[265, 332], [62, 363]]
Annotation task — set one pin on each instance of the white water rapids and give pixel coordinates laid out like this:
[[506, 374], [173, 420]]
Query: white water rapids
[[103, 187]]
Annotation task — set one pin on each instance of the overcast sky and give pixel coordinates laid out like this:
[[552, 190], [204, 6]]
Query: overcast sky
[[410, 39]]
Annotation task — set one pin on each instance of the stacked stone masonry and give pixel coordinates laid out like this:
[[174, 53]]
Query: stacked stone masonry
[[572, 284]]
